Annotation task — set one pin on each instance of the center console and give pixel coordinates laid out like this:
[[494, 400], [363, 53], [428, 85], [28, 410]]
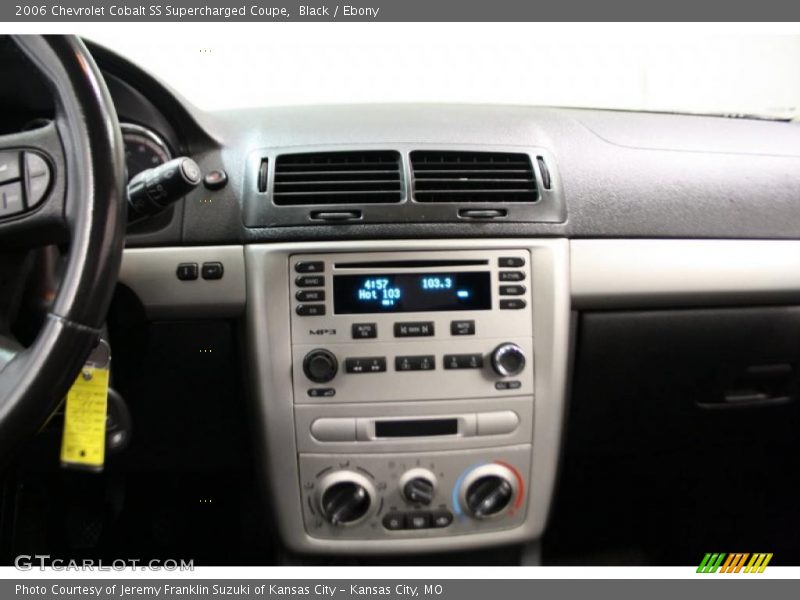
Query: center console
[[419, 387]]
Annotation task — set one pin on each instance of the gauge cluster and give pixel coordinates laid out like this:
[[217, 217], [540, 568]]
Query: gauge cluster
[[144, 149]]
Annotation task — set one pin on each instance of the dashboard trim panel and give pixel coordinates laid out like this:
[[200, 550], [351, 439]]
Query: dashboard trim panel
[[151, 274], [670, 273]]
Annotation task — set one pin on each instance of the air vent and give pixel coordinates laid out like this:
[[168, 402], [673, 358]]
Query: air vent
[[263, 175], [368, 177], [472, 177]]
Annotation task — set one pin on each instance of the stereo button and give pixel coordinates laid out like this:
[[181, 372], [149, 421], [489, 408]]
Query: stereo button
[[310, 310], [512, 290], [414, 363], [310, 295], [510, 261], [414, 329], [372, 364], [316, 266], [462, 328], [512, 304], [363, 331], [310, 281], [463, 361], [512, 276]]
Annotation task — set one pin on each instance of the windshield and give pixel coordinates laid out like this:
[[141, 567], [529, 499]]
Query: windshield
[[323, 63]]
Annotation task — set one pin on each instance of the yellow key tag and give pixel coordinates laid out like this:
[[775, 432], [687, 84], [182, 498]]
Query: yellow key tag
[[83, 443]]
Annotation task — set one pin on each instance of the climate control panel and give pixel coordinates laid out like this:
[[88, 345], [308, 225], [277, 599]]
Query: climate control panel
[[391, 496]]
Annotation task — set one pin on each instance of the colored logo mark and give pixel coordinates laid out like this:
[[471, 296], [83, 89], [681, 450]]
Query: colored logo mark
[[722, 562]]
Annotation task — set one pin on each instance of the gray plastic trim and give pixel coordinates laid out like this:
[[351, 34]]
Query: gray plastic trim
[[151, 274], [671, 273]]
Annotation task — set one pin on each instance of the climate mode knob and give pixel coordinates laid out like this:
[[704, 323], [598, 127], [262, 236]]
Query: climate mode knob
[[508, 359], [488, 490], [320, 365], [418, 486], [346, 497]]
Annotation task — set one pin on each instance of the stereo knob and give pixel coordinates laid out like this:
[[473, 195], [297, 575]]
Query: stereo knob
[[418, 486], [508, 359], [320, 366], [488, 490], [346, 498]]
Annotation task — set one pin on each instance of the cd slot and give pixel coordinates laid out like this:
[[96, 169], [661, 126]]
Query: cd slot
[[412, 264], [415, 428]]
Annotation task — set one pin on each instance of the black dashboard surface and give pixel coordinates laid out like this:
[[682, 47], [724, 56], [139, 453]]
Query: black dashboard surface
[[624, 174]]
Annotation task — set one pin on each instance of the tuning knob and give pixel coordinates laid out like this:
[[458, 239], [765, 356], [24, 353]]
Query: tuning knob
[[320, 365], [488, 490], [508, 359], [418, 486], [345, 497]]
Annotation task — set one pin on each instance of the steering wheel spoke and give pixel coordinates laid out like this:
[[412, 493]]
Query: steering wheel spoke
[[32, 188]]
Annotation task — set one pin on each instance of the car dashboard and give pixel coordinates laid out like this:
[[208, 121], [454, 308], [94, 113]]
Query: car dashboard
[[461, 327]]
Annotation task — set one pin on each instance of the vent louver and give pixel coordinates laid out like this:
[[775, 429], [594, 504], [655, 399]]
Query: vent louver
[[447, 176], [363, 177]]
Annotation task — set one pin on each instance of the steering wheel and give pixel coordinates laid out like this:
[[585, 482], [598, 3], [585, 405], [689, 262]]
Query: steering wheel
[[61, 183]]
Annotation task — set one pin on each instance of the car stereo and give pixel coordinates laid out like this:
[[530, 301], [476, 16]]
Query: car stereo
[[408, 326]]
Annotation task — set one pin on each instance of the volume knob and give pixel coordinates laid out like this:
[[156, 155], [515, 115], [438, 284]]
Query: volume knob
[[320, 365], [508, 359]]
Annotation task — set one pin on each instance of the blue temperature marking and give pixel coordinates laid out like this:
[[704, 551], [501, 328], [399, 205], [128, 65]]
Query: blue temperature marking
[[457, 486], [462, 294]]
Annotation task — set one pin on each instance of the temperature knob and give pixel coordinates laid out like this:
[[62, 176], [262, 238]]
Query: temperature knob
[[346, 498], [508, 359], [320, 366], [488, 490], [418, 486]]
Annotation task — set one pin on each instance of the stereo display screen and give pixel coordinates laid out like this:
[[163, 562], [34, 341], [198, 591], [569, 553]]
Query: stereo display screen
[[411, 292]]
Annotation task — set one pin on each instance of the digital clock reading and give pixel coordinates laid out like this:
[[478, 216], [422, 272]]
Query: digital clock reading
[[411, 292], [379, 290]]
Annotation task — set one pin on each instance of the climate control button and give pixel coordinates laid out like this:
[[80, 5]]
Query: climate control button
[[346, 498], [418, 486], [489, 490], [488, 496]]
